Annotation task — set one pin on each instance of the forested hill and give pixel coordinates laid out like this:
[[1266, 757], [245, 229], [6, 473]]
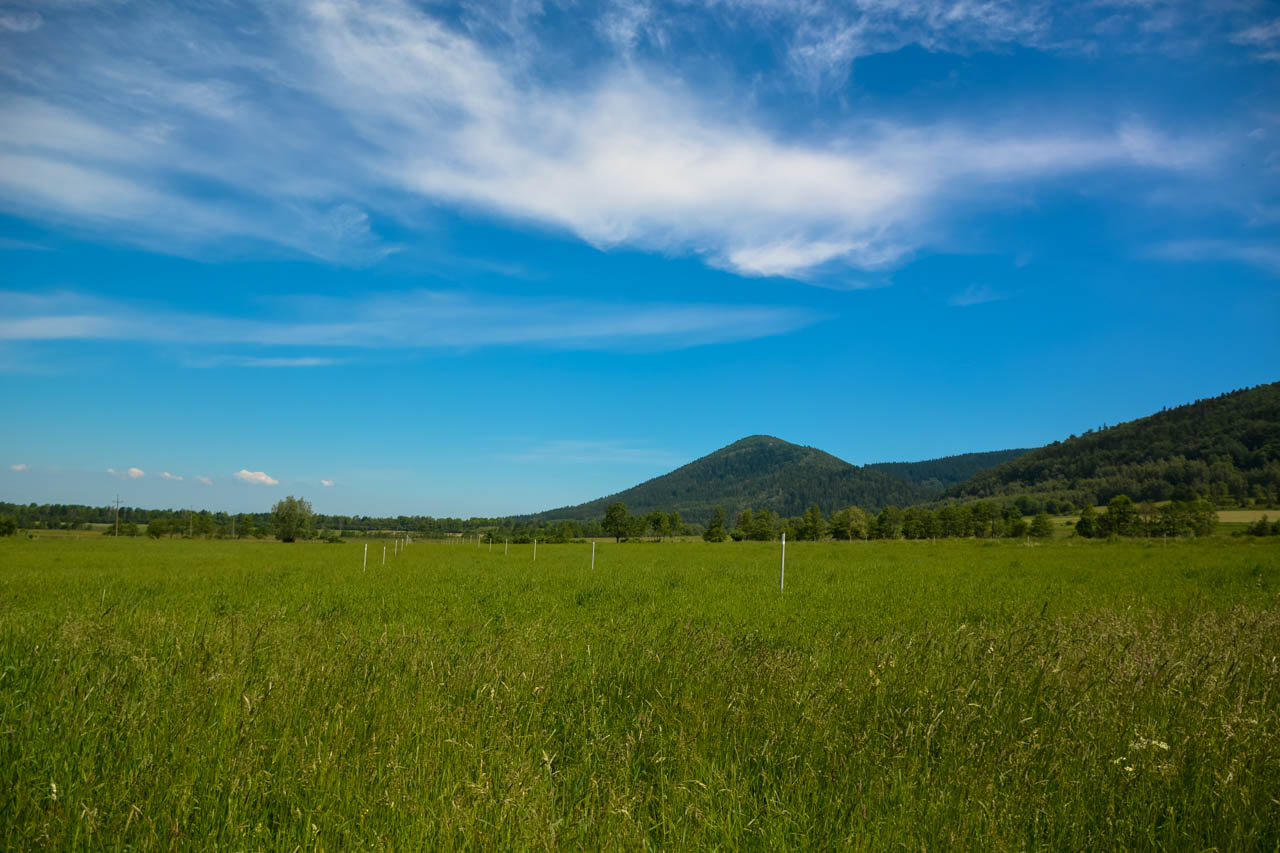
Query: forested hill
[[1225, 448], [760, 472], [938, 474]]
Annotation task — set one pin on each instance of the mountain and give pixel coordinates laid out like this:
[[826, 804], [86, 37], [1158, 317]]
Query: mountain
[[1223, 448], [938, 474], [760, 472]]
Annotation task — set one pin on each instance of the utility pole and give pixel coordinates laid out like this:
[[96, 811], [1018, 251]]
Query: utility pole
[[117, 516]]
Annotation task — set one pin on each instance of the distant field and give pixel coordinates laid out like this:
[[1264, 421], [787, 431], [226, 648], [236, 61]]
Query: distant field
[[1246, 516], [907, 695]]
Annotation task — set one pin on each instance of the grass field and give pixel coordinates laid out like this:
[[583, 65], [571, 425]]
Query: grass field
[[902, 695]]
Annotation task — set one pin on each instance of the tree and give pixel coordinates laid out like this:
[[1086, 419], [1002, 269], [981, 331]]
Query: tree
[[1087, 526], [813, 525], [616, 521], [292, 519], [657, 522], [849, 523], [1120, 519], [8, 527], [675, 524], [1041, 526], [888, 524], [764, 526], [715, 530]]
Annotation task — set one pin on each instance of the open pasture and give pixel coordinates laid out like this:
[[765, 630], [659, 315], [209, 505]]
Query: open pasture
[[913, 695]]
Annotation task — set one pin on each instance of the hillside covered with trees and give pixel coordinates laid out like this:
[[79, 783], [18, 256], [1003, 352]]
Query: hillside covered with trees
[[939, 474], [1225, 449]]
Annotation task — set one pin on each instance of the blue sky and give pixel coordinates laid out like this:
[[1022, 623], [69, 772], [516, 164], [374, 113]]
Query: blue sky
[[479, 259]]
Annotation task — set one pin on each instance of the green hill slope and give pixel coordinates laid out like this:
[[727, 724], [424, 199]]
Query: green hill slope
[[1226, 448], [939, 474], [760, 472]]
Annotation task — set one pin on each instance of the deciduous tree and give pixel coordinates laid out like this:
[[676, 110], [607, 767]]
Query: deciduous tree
[[292, 519]]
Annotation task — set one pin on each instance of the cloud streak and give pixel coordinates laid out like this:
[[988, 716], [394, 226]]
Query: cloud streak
[[21, 466], [416, 320], [976, 294], [1263, 256]]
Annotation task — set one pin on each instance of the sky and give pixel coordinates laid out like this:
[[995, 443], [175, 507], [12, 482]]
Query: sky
[[476, 259]]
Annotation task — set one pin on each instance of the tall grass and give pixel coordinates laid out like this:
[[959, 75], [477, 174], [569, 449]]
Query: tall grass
[[957, 695]]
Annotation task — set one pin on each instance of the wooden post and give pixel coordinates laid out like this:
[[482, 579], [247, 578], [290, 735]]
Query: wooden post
[[593, 555]]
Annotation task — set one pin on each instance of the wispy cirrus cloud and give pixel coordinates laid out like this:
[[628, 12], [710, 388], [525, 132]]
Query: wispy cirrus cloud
[[20, 22], [414, 320], [1265, 256], [326, 483], [976, 294], [314, 119], [256, 478], [21, 466], [167, 476], [129, 473], [205, 480], [258, 361], [1263, 38]]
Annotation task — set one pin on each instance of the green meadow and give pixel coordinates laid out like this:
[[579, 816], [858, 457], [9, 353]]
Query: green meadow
[[223, 695]]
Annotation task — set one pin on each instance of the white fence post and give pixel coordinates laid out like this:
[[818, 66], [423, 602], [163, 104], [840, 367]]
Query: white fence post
[[782, 575]]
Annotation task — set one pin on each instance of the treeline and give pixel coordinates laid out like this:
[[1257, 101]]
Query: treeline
[[1123, 517], [206, 523], [1225, 450], [983, 520]]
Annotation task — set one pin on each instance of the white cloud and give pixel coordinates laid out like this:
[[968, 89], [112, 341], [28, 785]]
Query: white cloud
[[257, 478], [326, 482], [976, 294], [135, 473], [375, 106], [21, 466], [167, 476], [205, 480]]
